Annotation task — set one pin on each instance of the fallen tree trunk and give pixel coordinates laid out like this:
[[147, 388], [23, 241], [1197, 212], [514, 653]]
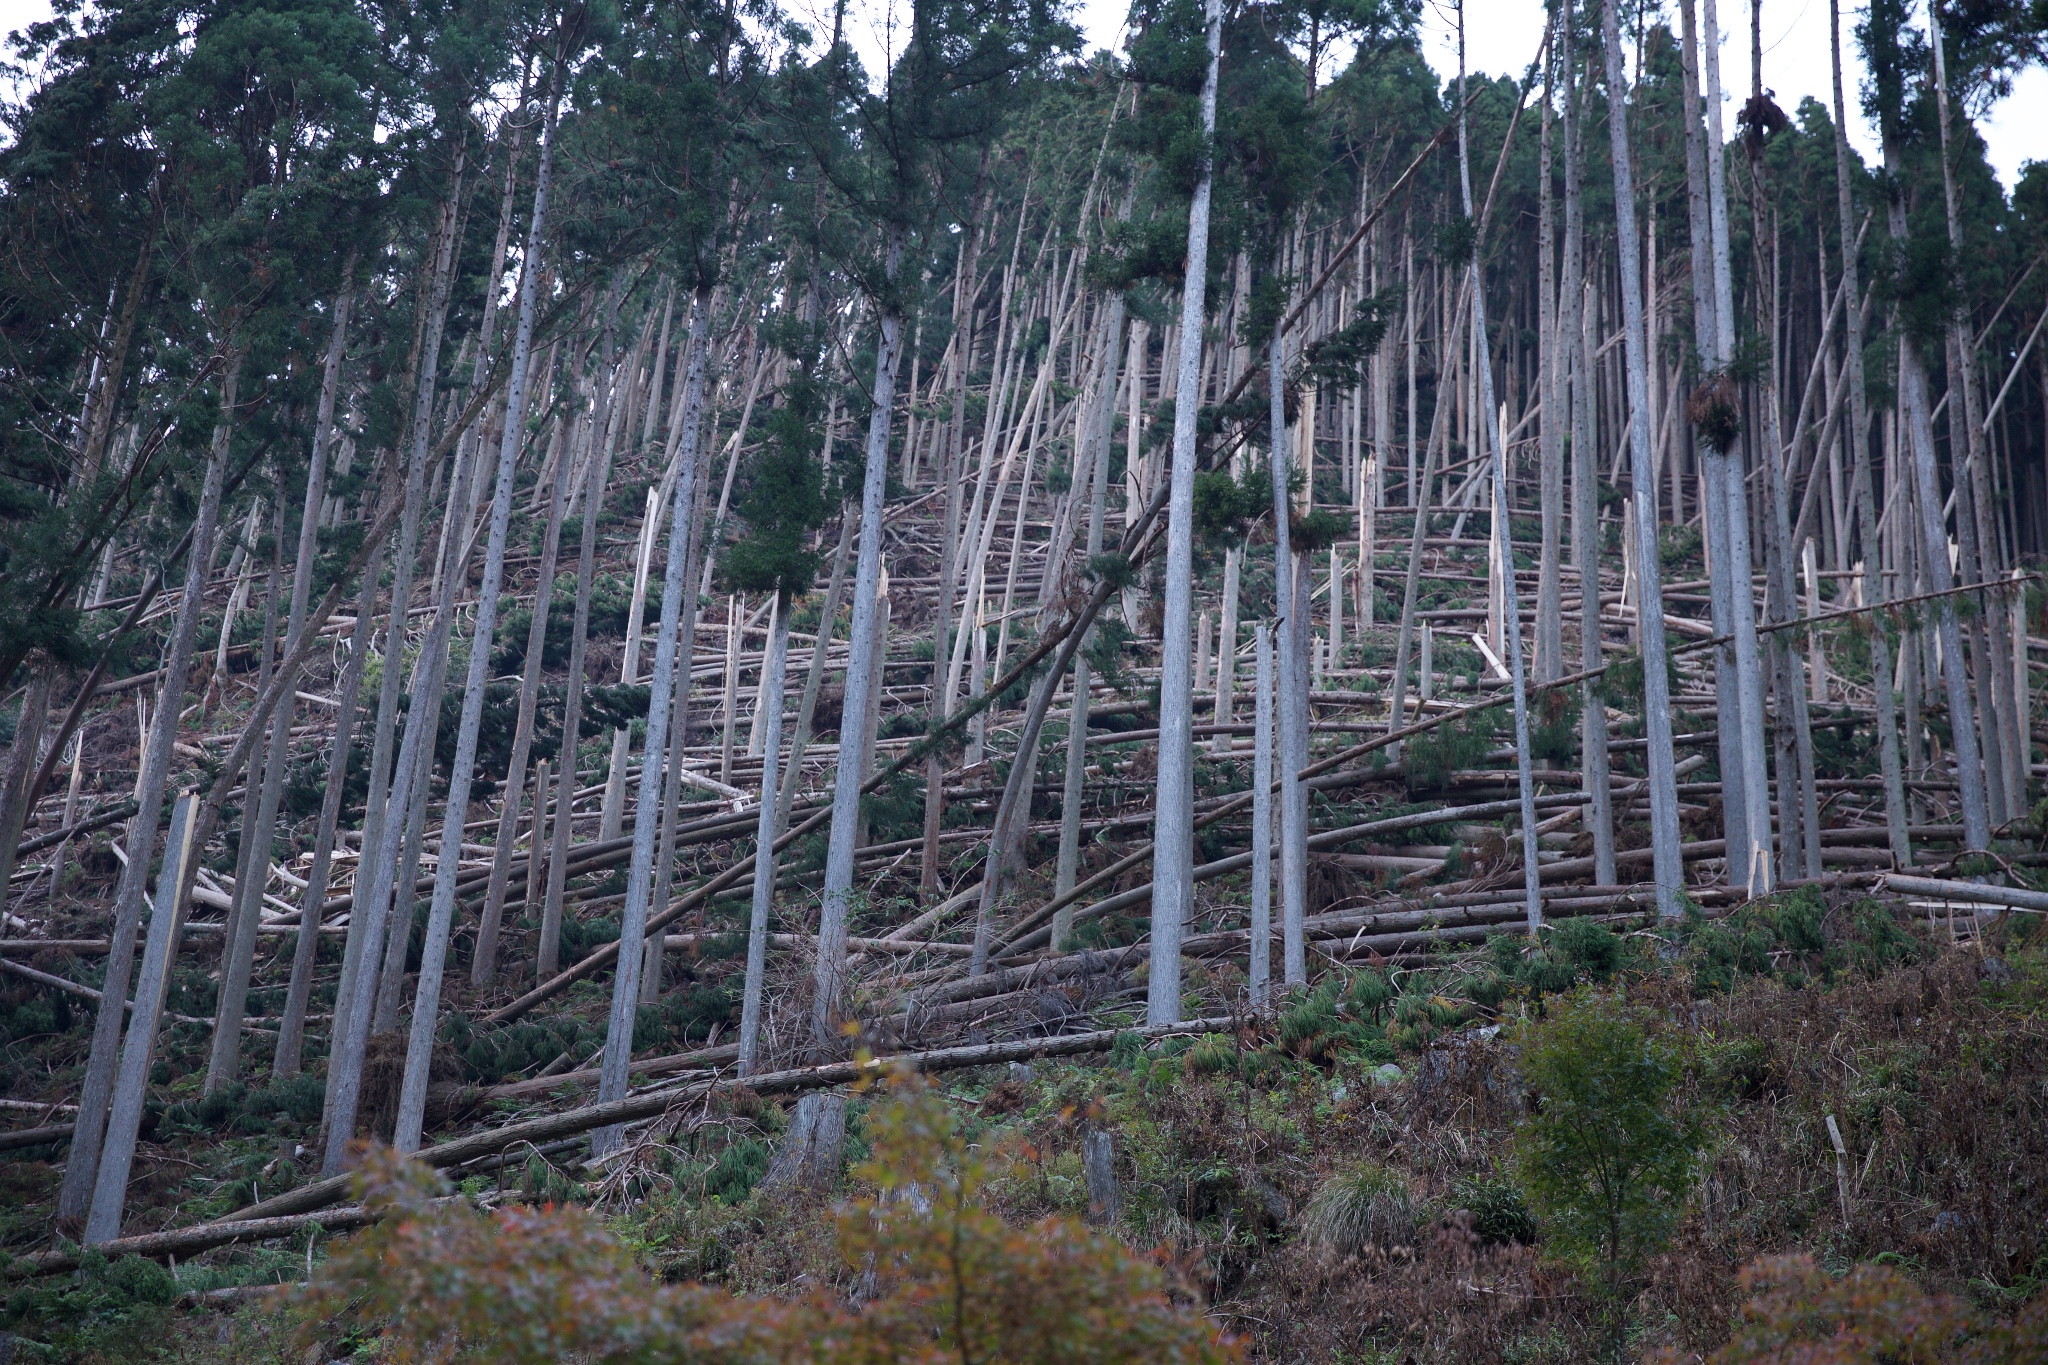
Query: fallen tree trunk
[[634, 1108], [204, 1237], [2004, 897]]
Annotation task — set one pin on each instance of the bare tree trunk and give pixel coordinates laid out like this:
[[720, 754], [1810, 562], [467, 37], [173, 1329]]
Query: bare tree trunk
[[117, 1153], [1503, 541], [1576, 384], [2006, 741], [291, 1031], [291, 1028], [484, 964], [1663, 789], [775, 664], [1919, 433], [1102, 431], [814, 677], [1173, 888], [835, 902], [1734, 492], [426, 1010], [259, 824], [1874, 588], [355, 999], [1259, 971], [678, 626], [81, 1167], [1550, 432]]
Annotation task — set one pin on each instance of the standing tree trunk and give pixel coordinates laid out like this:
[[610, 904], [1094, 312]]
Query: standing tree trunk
[[110, 1185], [1714, 507], [1874, 588], [355, 998], [1259, 971], [775, 664], [426, 1009], [1575, 384], [1663, 785], [1173, 832], [259, 825], [836, 901], [81, 1167], [1504, 543], [1550, 431], [1734, 493], [1101, 432]]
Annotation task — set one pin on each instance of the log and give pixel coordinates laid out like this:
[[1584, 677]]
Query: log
[[34, 1137], [2005, 897], [203, 1237], [634, 1108]]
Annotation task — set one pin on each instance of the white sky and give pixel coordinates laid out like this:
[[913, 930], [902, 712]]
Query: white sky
[[1502, 37]]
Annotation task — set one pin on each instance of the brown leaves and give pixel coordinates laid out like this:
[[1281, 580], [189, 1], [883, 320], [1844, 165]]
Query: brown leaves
[[442, 1281]]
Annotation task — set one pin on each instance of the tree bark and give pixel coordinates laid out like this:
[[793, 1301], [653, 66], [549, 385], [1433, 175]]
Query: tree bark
[[81, 1167], [1669, 869], [1173, 809]]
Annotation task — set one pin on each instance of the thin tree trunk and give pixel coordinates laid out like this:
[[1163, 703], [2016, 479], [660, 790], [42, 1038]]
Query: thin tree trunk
[[775, 664], [1874, 589], [1173, 888], [1919, 434], [1663, 790], [291, 1031], [292, 1027], [1550, 432], [828, 1001], [1102, 432], [1259, 971], [2006, 741], [1576, 383], [426, 1011], [814, 677], [1756, 872], [355, 999], [259, 824], [124, 1123], [484, 964], [81, 1166], [665, 684], [1503, 540]]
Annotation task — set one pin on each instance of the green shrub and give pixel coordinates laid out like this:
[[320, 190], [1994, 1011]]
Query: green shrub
[[1499, 1213], [1366, 1206], [1604, 1160]]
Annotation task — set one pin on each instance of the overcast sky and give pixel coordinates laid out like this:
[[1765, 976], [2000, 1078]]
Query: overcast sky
[[1502, 38]]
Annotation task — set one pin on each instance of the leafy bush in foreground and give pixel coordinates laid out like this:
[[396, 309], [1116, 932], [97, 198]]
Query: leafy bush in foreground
[[942, 1279]]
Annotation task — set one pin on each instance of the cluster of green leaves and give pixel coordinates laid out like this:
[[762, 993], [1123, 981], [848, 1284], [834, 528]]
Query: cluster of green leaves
[[1605, 1159], [1796, 938], [1430, 757], [286, 1104]]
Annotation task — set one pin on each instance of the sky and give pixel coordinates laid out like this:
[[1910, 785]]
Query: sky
[[1502, 38]]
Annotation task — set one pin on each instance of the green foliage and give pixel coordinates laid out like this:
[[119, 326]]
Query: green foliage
[[1339, 361], [1604, 1160], [1315, 1026], [1460, 742], [1225, 507], [1366, 1206], [286, 1105], [109, 1304], [1500, 1215]]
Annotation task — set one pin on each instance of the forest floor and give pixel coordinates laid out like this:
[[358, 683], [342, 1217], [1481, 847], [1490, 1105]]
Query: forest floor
[[1922, 1042]]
